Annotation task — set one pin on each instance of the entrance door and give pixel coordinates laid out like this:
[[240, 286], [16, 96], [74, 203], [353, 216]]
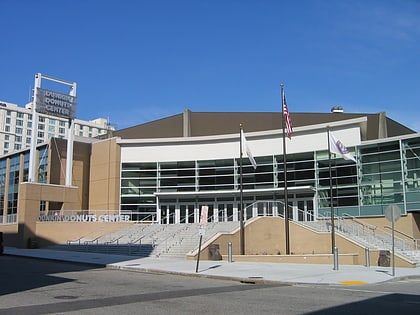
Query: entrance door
[[167, 213], [303, 210], [186, 213]]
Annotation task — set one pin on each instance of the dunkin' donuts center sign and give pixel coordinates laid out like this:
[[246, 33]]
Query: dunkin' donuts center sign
[[84, 218], [55, 104]]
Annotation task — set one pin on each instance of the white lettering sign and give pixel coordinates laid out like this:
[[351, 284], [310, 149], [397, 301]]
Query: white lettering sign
[[56, 104], [84, 218]]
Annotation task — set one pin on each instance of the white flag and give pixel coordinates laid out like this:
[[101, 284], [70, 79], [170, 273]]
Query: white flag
[[247, 150], [337, 147]]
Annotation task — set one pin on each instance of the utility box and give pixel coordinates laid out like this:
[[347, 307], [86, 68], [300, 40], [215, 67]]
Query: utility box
[[384, 259], [214, 252]]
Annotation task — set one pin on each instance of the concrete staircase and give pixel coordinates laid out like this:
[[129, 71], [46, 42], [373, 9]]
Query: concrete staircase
[[368, 236], [154, 240]]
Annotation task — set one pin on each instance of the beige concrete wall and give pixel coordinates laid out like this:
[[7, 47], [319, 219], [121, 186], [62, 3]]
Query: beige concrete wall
[[49, 233], [265, 241], [105, 175], [80, 170], [30, 196]]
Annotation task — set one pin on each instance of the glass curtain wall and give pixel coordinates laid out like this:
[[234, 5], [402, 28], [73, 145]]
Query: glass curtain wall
[[411, 151], [381, 178], [2, 186], [344, 186], [386, 173], [139, 182], [42, 165], [12, 199]]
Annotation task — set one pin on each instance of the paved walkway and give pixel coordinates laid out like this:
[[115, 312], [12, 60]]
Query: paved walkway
[[239, 271]]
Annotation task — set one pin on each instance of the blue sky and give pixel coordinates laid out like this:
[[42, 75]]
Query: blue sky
[[136, 61]]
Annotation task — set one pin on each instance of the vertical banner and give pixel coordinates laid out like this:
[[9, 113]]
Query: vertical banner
[[204, 216], [202, 230]]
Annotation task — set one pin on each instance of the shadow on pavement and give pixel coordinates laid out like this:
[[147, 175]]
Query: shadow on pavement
[[20, 274], [386, 304]]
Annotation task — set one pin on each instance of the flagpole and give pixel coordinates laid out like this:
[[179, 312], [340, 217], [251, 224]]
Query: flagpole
[[241, 212], [331, 193], [286, 201]]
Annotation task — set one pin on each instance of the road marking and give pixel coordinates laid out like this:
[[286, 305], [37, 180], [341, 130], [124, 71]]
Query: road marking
[[353, 282]]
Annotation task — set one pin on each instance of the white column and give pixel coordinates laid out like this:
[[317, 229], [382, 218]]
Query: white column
[[34, 135], [70, 140]]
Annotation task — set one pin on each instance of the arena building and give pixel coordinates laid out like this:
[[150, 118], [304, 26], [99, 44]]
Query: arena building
[[164, 171]]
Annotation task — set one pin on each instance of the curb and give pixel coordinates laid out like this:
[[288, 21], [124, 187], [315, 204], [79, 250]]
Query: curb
[[248, 280]]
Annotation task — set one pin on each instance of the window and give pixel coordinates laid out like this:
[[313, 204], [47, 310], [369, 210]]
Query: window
[[6, 137], [18, 130], [7, 120], [19, 115], [7, 128], [9, 113], [19, 122], [6, 145], [41, 127], [52, 121], [51, 128], [62, 123], [18, 139], [29, 124], [28, 132], [41, 119], [18, 146], [40, 134], [61, 130]]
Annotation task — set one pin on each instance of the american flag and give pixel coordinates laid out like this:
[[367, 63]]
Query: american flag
[[288, 120]]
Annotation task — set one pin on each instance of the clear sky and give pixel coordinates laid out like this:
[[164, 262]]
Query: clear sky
[[136, 61]]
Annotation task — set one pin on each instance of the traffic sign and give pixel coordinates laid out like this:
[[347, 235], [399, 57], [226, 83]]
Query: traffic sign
[[393, 213]]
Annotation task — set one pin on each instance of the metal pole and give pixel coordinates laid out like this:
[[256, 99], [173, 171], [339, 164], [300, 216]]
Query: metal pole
[[286, 201], [199, 251], [331, 194], [335, 258], [367, 257], [393, 242], [241, 197], [70, 140], [230, 252], [34, 135]]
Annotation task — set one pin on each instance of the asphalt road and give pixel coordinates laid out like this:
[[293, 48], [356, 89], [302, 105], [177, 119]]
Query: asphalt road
[[31, 286]]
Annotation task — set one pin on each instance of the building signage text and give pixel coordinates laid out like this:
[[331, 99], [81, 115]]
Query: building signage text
[[55, 104], [84, 218]]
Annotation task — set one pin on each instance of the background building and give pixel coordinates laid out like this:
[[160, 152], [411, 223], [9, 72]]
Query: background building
[[16, 127]]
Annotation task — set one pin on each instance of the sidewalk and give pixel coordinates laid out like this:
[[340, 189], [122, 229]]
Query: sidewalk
[[239, 271]]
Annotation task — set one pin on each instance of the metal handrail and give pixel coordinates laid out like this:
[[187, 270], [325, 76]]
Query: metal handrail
[[78, 240], [414, 240], [365, 234], [370, 226]]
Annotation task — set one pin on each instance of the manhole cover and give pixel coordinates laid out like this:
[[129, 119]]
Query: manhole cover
[[66, 297]]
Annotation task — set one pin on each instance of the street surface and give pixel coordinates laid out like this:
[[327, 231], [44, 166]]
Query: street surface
[[31, 286]]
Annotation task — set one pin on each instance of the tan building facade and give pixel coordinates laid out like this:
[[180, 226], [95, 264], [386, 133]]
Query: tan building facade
[[136, 178]]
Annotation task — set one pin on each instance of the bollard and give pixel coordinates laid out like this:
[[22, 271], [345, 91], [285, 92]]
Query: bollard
[[367, 257], [335, 258], [230, 252]]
